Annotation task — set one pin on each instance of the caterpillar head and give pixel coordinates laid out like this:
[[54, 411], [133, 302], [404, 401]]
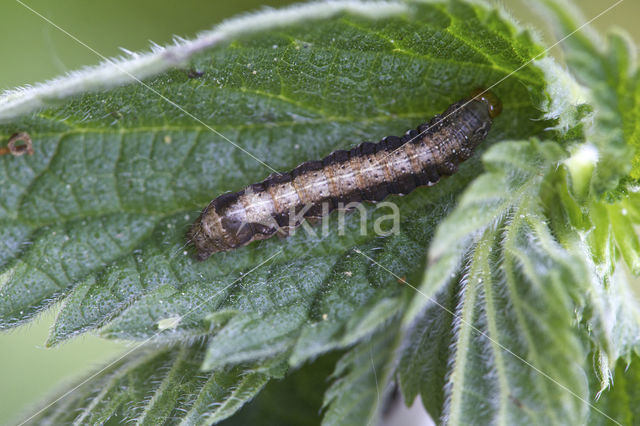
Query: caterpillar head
[[490, 99]]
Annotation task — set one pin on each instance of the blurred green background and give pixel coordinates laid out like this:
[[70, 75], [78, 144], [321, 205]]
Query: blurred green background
[[33, 51]]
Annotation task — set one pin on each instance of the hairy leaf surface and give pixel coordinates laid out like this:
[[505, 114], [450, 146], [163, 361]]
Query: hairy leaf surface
[[156, 386], [98, 215], [507, 291], [523, 251], [609, 70]]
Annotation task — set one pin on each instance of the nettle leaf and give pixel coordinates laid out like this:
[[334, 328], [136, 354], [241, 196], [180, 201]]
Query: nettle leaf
[[156, 386], [119, 175], [515, 173], [602, 230], [504, 323], [422, 368], [362, 378], [609, 69], [622, 402], [603, 234], [296, 400], [97, 219]]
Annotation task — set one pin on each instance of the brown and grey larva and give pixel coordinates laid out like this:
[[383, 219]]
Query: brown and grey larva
[[368, 172]]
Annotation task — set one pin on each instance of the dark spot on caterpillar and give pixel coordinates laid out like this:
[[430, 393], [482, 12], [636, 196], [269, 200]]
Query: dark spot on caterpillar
[[19, 144], [367, 172]]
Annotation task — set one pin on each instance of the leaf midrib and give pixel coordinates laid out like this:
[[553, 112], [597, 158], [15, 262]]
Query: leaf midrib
[[517, 304]]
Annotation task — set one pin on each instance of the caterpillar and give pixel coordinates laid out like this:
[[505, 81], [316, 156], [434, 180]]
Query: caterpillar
[[368, 172]]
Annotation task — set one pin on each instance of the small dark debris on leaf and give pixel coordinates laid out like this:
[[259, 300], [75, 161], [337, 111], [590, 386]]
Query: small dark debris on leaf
[[193, 73], [516, 401], [16, 149]]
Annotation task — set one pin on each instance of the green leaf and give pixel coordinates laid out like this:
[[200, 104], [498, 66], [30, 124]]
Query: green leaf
[[602, 234], [362, 379], [154, 386], [622, 401], [423, 365], [514, 354], [295, 400], [609, 69], [97, 219], [602, 231], [523, 304], [119, 175], [515, 173], [625, 236]]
